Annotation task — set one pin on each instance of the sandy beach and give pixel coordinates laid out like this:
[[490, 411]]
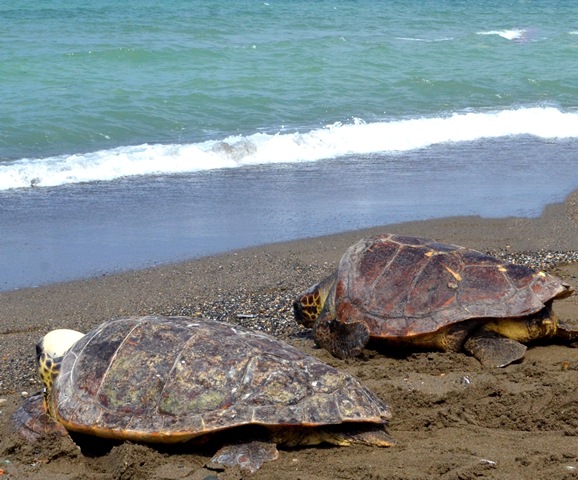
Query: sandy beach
[[453, 418]]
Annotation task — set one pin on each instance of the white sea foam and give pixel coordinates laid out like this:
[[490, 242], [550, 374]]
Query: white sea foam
[[514, 34], [356, 138]]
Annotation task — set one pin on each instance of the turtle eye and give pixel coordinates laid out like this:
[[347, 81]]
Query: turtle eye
[[38, 351]]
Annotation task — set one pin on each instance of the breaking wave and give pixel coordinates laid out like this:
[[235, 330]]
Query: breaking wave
[[332, 141]]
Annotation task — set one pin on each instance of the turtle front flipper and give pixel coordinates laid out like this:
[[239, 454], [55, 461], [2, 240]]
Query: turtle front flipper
[[32, 420], [248, 456], [342, 340], [493, 349]]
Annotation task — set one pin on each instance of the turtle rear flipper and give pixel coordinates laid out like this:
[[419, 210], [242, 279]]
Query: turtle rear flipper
[[247, 456], [369, 435], [494, 350], [567, 334], [342, 340]]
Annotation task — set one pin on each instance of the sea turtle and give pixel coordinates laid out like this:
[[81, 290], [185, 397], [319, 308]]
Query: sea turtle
[[424, 294], [173, 379]]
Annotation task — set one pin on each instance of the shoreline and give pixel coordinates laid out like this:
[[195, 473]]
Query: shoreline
[[255, 287], [556, 230]]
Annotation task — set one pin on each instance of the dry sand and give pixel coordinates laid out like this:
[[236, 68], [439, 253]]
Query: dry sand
[[453, 418]]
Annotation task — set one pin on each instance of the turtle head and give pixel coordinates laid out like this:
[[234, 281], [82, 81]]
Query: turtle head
[[311, 302], [49, 352]]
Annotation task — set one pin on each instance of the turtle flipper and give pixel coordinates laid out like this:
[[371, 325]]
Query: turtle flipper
[[32, 421], [248, 456], [370, 435], [567, 334], [342, 340], [494, 350]]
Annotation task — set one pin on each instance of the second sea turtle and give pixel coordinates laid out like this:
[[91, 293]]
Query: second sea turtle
[[420, 293]]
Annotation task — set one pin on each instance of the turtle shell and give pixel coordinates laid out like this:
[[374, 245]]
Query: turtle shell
[[404, 286], [169, 379]]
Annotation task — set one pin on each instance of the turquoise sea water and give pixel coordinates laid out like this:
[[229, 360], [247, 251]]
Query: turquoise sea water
[[144, 94], [149, 87]]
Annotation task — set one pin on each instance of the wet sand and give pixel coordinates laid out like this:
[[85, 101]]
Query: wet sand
[[453, 419]]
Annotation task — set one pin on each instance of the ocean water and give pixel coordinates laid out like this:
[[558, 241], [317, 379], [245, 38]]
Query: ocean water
[[162, 131]]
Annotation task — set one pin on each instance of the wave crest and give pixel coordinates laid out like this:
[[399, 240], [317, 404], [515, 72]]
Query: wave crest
[[337, 140]]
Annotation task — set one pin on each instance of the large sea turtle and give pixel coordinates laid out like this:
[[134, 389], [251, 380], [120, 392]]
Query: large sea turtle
[[173, 379], [429, 295]]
